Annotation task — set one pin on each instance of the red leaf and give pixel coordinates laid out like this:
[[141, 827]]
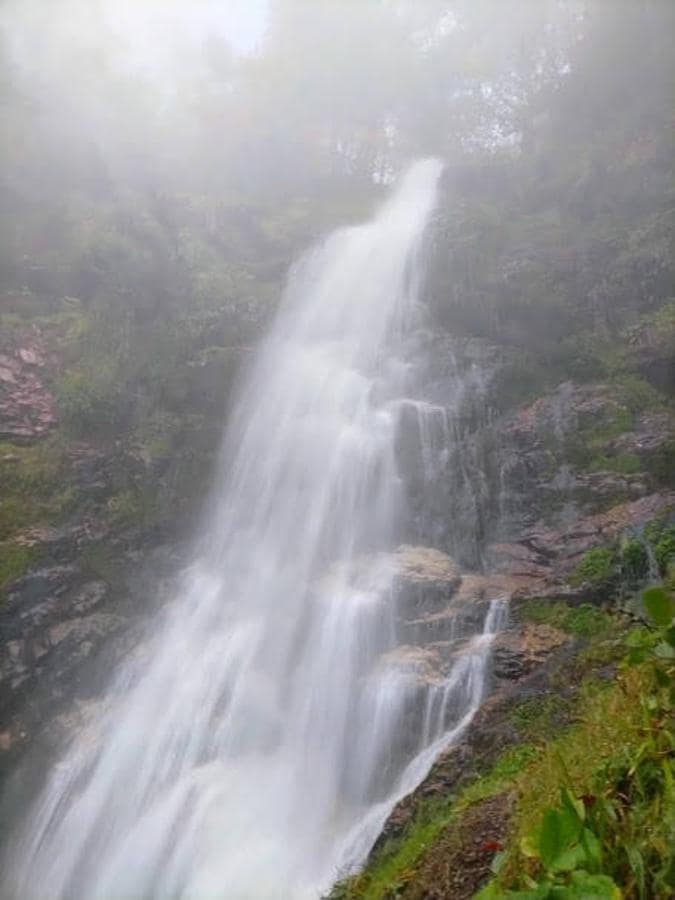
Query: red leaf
[[492, 846]]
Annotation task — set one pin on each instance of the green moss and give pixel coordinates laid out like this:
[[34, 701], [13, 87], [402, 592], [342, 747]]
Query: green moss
[[499, 778], [596, 568], [622, 464], [538, 718], [36, 484], [14, 562], [132, 507], [581, 621]]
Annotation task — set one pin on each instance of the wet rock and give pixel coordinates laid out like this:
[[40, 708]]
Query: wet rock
[[419, 666], [424, 579], [517, 652], [27, 406], [648, 434], [63, 542], [544, 557]]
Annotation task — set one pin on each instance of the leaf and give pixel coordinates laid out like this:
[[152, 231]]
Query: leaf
[[529, 846], [572, 804], [559, 830], [592, 887], [662, 678], [592, 847], [569, 859], [664, 651], [638, 756], [497, 862], [636, 638], [637, 867], [636, 656], [660, 605]]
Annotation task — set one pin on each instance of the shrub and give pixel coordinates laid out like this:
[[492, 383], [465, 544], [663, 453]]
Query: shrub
[[664, 549], [634, 561], [596, 568]]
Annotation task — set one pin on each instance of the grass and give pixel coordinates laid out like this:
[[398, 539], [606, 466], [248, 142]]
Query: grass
[[539, 718], [394, 862], [14, 562], [609, 721], [621, 464], [581, 621], [36, 484]]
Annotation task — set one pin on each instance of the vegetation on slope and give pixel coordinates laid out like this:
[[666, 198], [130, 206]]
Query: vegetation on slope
[[586, 794]]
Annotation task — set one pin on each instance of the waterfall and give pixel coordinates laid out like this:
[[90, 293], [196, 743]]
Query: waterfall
[[252, 748]]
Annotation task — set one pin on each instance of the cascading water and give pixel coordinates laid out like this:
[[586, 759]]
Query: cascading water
[[257, 744]]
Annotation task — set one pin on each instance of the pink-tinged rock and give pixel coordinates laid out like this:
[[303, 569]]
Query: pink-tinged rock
[[30, 357]]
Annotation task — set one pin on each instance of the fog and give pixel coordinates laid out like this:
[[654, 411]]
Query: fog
[[153, 91]]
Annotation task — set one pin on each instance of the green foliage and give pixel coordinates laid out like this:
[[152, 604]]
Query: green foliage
[[540, 717], [664, 549], [621, 463], [90, 397], [634, 560], [637, 394], [132, 507], [36, 482], [660, 606], [584, 620], [597, 568], [613, 828]]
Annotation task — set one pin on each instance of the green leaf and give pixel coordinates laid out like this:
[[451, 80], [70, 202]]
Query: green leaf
[[660, 605], [593, 887], [569, 860], [637, 867], [592, 847], [529, 846], [664, 651], [572, 804], [497, 862], [559, 830], [637, 637], [662, 678]]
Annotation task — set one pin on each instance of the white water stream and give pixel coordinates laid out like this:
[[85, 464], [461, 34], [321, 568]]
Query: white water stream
[[249, 752]]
